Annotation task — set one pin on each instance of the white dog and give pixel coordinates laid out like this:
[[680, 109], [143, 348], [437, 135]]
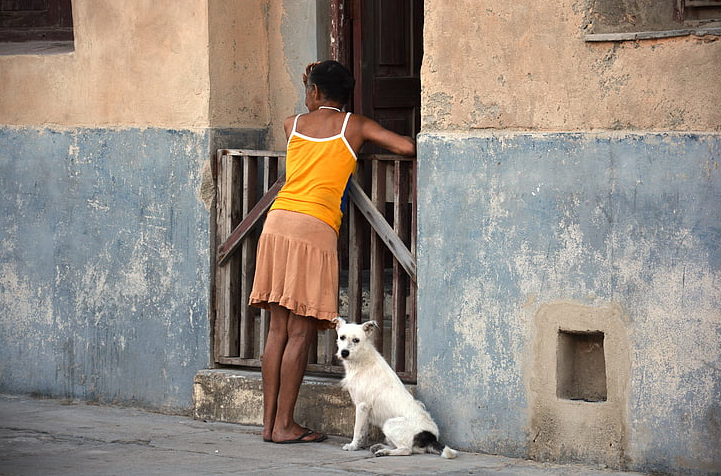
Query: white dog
[[381, 399]]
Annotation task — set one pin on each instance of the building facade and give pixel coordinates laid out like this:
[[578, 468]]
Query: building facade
[[571, 311]]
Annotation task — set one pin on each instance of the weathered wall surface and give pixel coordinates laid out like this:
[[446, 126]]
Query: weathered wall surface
[[104, 255], [103, 264], [293, 31], [526, 66], [612, 232], [239, 69], [135, 63], [548, 223]]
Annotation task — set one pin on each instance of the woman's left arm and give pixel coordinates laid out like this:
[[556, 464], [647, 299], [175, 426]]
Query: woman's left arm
[[373, 132]]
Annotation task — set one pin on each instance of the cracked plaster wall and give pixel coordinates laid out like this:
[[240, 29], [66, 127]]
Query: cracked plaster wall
[[617, 214], [104, 261], [104, 258], [103, 264], [490, 65], [602, 220]]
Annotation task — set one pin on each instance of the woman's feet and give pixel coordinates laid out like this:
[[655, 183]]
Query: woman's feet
[[297, 434]]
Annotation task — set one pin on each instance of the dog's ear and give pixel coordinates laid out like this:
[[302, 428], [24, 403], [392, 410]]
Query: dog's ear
[[339, 321], [369, 326]]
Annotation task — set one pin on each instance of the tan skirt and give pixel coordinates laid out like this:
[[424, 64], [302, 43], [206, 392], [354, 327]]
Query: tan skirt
[[297, 266]]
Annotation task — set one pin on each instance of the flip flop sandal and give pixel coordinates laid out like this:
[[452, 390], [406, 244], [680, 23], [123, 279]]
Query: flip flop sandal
[[300, 439]]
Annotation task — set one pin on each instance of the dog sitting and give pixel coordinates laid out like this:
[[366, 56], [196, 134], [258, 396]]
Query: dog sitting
[[381, 399]]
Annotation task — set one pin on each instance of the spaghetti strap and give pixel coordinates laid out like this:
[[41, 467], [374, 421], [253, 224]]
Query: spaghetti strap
[[345, 123], [294, 124]]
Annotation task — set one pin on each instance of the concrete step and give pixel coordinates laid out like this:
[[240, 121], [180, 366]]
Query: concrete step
[[236, 396]]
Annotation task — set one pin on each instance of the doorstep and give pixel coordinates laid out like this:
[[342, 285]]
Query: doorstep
[[236, 396]]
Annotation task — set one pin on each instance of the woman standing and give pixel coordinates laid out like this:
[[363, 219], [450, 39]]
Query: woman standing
[[296, 275]]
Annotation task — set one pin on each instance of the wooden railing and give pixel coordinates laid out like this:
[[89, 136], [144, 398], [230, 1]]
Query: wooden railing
[[376, 252]]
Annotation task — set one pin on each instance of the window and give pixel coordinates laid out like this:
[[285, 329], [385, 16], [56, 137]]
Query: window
[[698, 11], [613, 20], [36, 20]]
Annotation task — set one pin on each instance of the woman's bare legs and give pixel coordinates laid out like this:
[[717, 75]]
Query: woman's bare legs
[[270, 367], [284, 362]]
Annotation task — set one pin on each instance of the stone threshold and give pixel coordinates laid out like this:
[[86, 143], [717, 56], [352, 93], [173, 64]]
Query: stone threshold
[[236, 396]]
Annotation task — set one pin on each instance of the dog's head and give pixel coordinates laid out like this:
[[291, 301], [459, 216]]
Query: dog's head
[[353, 339]]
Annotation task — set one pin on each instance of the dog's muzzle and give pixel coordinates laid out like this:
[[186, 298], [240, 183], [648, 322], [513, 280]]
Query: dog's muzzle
[[344, 353]]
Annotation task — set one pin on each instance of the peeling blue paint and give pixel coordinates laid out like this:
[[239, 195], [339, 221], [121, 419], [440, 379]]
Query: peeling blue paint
[[104, 268], [627, 219]]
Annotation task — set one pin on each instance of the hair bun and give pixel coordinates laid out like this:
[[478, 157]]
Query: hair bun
[[333, 79]]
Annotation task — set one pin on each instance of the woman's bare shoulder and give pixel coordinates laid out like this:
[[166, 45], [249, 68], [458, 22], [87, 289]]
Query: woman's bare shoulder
[[288, 124]]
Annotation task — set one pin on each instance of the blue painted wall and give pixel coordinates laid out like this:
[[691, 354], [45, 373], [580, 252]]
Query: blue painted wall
[[511, 222], [104, 264]]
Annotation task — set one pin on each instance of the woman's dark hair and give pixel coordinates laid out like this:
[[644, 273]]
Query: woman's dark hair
[[333, 80]]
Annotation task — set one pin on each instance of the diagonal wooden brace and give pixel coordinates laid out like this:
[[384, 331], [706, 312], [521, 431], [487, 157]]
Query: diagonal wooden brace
[[232, 244], [383, 229]]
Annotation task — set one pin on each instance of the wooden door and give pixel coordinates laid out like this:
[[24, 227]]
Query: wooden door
[[386, 50]]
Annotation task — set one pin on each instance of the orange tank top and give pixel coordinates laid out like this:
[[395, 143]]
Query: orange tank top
[[317, 174]]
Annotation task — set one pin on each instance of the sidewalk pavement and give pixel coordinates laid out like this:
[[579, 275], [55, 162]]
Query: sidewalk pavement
[[58, 437]]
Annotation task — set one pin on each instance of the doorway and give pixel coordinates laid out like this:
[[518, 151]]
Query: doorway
[[381, 42]]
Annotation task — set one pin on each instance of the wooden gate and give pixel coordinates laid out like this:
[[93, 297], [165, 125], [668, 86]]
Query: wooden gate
[[376, 252]]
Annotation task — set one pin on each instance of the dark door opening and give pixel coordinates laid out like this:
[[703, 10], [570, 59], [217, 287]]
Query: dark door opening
[[381, 41]]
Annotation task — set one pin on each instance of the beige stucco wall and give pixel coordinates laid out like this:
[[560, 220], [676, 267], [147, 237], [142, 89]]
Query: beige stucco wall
[[239, 63], [527, 66], [136, 63], [293, 43], [258, 52]]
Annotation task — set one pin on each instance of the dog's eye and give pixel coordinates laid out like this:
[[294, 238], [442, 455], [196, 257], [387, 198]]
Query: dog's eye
[[342, 337], [356, 340]]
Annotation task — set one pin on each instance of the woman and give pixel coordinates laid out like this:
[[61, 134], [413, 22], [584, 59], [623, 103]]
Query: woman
[[297, 265]]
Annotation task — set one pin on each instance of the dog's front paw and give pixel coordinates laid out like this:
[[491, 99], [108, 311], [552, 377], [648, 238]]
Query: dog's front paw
[[352, 446]]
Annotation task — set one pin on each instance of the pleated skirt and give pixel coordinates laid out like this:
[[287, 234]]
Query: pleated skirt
[[297, 266]]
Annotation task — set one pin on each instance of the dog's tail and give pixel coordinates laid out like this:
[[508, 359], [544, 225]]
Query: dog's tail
[[427, 441], [447, 451]]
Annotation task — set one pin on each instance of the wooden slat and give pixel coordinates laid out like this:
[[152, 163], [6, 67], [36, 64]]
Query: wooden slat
[[400, 281], [377, 253], [253, 153], [270, 175], [355, 263], [703, 3], [384, 230], [385, 158], [220, 287], [321, 368], [228, 214], [329, 348], [412, 337], [337, 370], [247, 258]]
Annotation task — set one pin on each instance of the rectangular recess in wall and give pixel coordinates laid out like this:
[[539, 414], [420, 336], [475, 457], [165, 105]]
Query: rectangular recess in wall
[[581, 366]]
